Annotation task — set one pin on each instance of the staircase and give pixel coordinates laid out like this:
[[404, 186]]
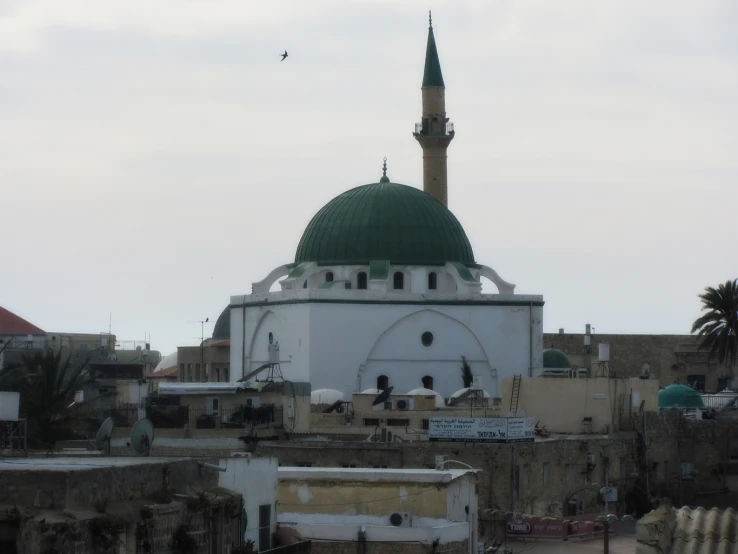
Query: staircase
[[515, 394]]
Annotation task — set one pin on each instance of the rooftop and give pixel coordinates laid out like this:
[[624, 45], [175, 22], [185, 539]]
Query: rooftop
[[694, 530], [376, 475], [79, 464], [12, 324]]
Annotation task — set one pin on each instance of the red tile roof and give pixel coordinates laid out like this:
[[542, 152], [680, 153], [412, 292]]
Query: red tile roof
[[166, 372], [11, 324]]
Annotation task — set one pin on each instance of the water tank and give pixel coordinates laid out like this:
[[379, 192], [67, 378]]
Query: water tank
[[604, 352], [9, 402]]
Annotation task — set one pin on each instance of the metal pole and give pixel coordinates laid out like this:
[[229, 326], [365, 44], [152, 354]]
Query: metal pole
[[607, 536], [607, 492]]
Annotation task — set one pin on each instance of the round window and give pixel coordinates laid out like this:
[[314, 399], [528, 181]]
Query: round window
[[271, 338], [426, 338]]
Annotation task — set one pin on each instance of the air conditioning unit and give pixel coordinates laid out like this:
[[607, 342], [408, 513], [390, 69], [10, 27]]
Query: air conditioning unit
[[385, 435], [401, 519], [404, 404]]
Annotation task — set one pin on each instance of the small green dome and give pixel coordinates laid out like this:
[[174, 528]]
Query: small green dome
[[222, 329], [555, 359], [384, 221], [680, 396]]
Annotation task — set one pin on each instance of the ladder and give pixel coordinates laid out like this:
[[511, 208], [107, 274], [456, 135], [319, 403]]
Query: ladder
[[515, 394]]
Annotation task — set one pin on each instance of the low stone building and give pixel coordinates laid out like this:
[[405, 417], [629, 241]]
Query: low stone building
[[135, 505], [380, 510]]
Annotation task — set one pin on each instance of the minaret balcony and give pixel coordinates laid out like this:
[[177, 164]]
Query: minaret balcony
[[434, 129]]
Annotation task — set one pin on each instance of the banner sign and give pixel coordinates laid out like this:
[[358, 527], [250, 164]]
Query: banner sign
[[481, 429]]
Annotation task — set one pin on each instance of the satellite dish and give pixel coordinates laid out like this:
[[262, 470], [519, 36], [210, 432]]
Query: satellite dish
[[142, 435], [102, 439], [383, 396]]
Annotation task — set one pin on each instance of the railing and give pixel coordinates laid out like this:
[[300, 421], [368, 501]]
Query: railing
[[431, 128], [718, 401], [183, 417], [304, 547]]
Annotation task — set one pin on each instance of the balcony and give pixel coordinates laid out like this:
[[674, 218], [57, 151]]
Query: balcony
[[430, 128]]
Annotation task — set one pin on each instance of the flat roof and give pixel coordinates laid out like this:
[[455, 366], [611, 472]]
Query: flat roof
[[80, 464], [373, 474]]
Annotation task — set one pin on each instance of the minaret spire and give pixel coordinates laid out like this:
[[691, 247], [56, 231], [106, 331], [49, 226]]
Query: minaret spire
[[434, 133]]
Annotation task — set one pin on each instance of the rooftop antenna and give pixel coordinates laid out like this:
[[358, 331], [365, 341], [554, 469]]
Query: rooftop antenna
[[142, 436], [202, 323], [104, 434]]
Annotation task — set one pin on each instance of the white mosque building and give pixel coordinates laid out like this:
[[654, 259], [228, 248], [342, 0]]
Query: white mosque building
[[384, 290]]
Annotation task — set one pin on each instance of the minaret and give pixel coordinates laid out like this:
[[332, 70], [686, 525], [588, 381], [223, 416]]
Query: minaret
[[434, 132]]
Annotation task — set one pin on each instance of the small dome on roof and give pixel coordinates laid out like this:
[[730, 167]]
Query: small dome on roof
[[222, 329], [462, 391], [555, 359], [166, 362], [371, 391], [440, 402], [680, 396], [325, 396]]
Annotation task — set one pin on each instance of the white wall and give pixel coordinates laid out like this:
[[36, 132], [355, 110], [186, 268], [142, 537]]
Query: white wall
[[327, 343], [256, 480]]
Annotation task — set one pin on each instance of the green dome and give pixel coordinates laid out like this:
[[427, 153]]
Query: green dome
[[384, 221], [680, 396], [555, 359], [222, 329]]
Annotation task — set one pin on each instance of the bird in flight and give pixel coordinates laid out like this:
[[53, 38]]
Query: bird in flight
[[283, 56]]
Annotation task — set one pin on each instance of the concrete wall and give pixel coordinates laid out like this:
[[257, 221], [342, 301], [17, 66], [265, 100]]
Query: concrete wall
[[561, 404], [256, 480], [384, 338]]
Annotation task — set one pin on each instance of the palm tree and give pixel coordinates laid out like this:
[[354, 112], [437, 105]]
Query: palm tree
[[718, 326], [47, 383]]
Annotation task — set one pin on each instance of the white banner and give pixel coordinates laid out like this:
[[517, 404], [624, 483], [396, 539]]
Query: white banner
[[481, 429]]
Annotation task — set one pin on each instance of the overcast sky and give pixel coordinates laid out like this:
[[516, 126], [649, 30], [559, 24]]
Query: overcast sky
[[157, 158]]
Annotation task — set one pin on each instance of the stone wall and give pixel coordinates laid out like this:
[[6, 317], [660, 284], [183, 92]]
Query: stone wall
[[536, 478], [459, 547], [670, 357], [541, 478]]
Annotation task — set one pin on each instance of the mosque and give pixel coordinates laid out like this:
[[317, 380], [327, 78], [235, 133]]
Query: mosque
[[384, 290]]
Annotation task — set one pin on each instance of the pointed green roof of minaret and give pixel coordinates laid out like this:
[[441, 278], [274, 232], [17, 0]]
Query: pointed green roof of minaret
[[432, 76]]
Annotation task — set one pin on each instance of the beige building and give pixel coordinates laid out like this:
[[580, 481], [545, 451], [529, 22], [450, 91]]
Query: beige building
[[669, 358], [387, 510], [583, 406], [240, 406]]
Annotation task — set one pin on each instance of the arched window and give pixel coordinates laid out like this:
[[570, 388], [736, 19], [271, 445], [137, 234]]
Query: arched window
[[271, 338], [305, 284], [361, 280], [398, 280], [329, 277], [432, 281], [382, 382], [428, 382]]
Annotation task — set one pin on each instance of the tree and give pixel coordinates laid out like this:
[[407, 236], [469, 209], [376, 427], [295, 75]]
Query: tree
[[47, 383], [466, 373], [718, 326]]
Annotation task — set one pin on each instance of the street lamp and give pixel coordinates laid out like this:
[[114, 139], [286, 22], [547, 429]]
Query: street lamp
[[590, 487], [606, 521]]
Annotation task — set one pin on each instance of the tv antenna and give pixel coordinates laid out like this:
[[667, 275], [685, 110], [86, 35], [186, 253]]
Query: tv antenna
[[104, 434], [142, 436]]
